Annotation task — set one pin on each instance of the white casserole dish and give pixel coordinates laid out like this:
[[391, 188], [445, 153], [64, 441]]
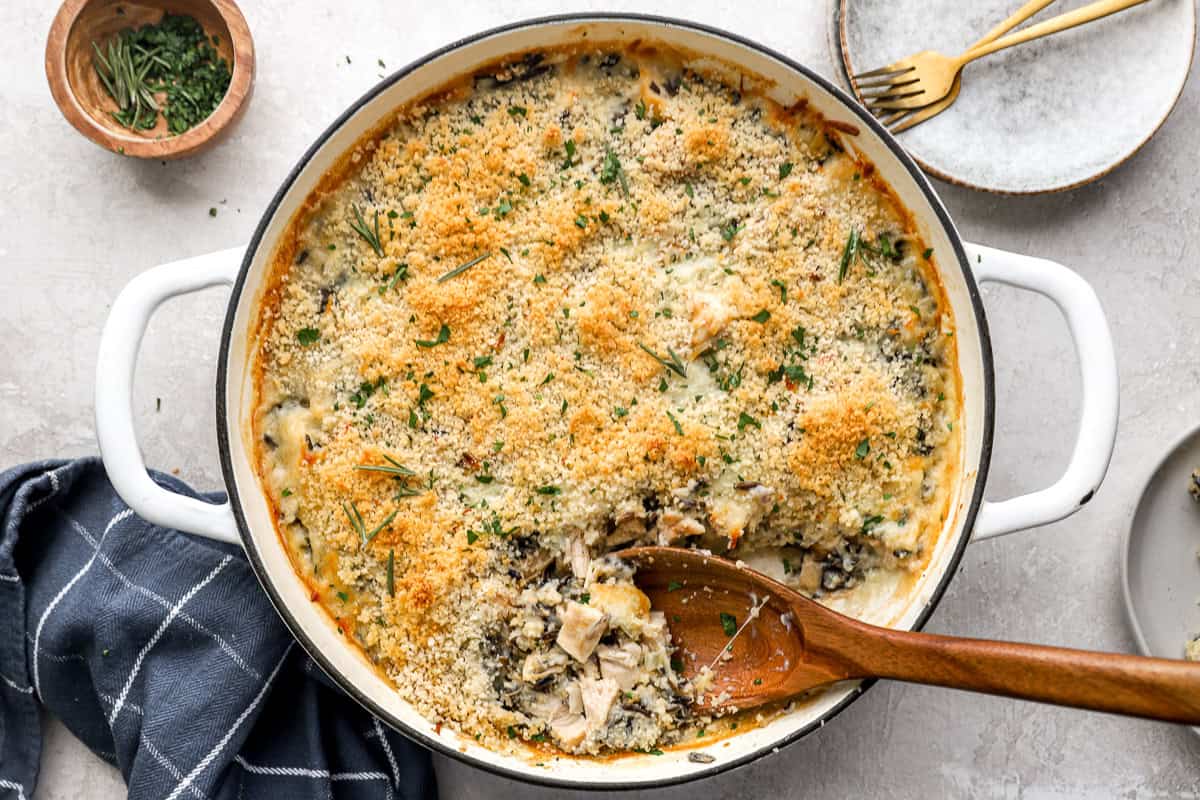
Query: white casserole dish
[[247, 518]]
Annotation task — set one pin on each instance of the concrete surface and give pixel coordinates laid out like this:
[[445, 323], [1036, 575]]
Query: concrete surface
[[78, 223]]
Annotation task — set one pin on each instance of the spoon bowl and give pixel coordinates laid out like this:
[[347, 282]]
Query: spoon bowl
[[705, 597]]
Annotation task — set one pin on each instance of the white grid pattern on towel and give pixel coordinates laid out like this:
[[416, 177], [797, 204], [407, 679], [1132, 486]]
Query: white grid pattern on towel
[[162, 628], [165, 762], [37, 636], [17, 686], [204, 762], [174, 771], [162, 601], [387, 748], [316, 774], [54, 487], [6, 784]]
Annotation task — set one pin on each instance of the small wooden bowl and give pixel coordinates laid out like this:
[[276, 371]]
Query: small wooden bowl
[[86, 104]]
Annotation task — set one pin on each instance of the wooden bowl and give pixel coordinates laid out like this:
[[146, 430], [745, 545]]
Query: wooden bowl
[[86, 104]]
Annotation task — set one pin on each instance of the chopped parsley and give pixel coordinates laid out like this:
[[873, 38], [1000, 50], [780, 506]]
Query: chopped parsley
[[569, 149], [782, 289], [864, 447], [728, 624], [785, 169], [745, 419], [308, 336], [493, 527], [611, 171], [762, 316], [442, 337], [549, 490]]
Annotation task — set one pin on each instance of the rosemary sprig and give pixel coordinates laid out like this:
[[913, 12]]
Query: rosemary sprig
[[859, 249], [849, 253], [464, 267], [401, 274], [674, 363], [123, 72], [391, 573], [360, 227], [360, 527], [393, 467]]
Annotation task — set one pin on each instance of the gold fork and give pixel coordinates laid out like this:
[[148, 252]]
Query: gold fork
[[902, 120], [929, 76]]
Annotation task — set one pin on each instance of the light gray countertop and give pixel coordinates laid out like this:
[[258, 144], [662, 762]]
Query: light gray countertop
[[78, 223]]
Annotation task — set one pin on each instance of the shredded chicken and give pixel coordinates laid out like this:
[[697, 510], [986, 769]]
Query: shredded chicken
[[582, 627]]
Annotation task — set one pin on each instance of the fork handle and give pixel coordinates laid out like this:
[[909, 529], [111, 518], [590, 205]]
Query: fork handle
[[1088, 13], [1016, 18]]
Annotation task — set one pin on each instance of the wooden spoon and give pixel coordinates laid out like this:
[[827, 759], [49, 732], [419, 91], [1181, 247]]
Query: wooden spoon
[[794, 645]]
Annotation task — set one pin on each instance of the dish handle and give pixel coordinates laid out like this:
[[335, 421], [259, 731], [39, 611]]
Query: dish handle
[[119, 345], [1100, 401]]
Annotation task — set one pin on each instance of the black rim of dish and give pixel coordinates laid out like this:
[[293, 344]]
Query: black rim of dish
[[223, 432]]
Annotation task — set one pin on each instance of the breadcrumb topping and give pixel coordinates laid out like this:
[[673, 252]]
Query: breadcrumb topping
[[593, 298]]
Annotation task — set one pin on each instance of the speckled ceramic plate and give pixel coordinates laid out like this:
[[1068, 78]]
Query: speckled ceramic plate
[[1159, 568], [1041, 117]]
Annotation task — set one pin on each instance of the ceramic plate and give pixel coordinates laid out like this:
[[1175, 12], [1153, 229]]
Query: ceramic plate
[[1160, 569], [1040, 117]]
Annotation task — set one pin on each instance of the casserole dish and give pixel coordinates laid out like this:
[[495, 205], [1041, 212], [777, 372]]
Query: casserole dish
[[248, 517]]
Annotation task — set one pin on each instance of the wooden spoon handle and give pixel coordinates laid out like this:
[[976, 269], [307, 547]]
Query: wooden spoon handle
[[1155, 688]]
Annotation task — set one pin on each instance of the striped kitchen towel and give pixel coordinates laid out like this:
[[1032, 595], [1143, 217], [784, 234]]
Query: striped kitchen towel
[[164, 656]]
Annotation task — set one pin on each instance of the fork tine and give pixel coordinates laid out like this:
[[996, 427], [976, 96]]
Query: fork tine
[[914, 117], [890, 69], [887, 88], [884, 102], [890, 119]]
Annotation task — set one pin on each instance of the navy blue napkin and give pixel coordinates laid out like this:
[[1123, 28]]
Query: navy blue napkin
[[164, 656]]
